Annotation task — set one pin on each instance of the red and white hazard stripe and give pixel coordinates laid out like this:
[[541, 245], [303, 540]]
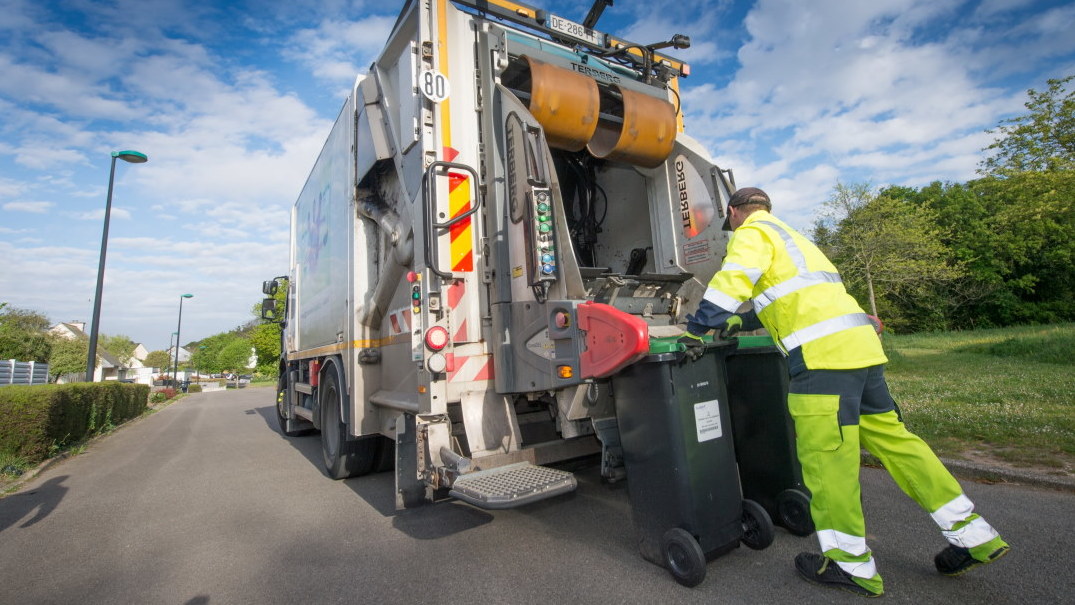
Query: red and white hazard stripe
[[469, 368]]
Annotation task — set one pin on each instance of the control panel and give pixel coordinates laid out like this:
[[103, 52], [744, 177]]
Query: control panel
[[541, 262]]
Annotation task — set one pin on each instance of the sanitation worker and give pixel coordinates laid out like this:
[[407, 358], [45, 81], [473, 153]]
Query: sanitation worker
[[837, 397]]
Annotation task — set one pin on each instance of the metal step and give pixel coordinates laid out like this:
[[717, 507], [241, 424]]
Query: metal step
[[512, 485]]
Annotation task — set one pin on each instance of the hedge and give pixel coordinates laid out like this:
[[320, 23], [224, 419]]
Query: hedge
[[33, 419]]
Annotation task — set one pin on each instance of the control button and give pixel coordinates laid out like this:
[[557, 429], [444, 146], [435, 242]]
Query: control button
[[546, 258], [544, 227], [542, 196], [547, 269], [543, 207]]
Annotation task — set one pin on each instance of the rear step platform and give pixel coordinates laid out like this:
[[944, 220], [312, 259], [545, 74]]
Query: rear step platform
[[512, 485]]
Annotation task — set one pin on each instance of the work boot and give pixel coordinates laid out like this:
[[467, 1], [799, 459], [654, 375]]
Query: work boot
[[819, 569], [956, 560]]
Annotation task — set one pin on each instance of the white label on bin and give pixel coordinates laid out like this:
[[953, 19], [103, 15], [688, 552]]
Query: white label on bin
[[707, 420]]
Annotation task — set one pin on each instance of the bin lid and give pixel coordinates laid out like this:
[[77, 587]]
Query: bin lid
[[670, 344], [750, 342]]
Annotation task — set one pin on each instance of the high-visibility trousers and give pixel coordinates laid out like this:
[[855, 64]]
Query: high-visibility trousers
[[836, 412]]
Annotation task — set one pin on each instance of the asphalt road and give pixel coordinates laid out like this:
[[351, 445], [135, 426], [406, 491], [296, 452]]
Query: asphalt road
[[204, 502]]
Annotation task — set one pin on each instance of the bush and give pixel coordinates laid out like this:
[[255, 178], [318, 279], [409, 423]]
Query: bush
[[35, 419], [194, 388]]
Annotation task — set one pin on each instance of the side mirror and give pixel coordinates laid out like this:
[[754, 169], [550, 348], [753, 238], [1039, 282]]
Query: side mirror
[[268, 288], [268, 309]]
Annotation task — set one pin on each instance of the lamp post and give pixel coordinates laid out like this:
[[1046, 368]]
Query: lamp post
[[134, 157], [178, 328], [170, 345]]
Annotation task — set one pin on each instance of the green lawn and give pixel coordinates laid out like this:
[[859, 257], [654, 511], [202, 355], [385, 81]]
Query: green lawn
[[1009, 393]]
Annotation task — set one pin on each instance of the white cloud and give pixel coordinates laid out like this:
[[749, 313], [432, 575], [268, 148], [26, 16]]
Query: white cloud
[[338, 49], [35, 207], [866, 91], [99, 214]]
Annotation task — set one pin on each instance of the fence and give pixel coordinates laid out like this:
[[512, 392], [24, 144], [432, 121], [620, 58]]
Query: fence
[[23, 372]]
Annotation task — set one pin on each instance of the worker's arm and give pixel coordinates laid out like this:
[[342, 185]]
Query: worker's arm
[[749, 256]]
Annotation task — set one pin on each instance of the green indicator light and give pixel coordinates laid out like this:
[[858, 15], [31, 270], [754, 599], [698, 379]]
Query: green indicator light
[[416, 295], [543, 219], [543, 207], [545, 227]]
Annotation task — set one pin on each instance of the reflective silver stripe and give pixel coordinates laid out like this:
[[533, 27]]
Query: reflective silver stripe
[[958, 509], [722, 300], [791, 285], [789, 243], [823, 328], [753, 274], [853, 545], [975, 533], [831, 538]]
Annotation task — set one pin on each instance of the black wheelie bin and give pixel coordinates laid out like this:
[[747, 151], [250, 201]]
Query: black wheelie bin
[[682, 480], [764, 433]]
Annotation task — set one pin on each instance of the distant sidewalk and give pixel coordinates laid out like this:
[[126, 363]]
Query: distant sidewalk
[[992, 473]]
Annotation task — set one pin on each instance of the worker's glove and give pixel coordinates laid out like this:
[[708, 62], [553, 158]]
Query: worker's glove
[[731, 327], [695, 348]]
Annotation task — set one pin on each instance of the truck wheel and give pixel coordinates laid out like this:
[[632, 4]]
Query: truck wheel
[[683, 557], [289, 427], [386, 455], [793, 506], [758, 530], [342, 458]]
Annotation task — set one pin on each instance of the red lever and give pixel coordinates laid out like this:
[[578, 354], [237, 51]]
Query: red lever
[[614, 339]]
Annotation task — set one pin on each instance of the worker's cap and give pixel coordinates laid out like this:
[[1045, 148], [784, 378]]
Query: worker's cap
[[746, 195]]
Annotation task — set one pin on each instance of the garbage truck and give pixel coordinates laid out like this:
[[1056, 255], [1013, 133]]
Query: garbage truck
[[506, 212]]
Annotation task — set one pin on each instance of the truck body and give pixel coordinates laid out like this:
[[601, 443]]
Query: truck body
[[505, 212]]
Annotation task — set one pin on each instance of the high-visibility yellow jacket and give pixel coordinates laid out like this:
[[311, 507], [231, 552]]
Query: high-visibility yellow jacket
[[797, 294]]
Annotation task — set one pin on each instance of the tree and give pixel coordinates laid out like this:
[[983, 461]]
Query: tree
[[207, 352], [69, 356], [1042, 140], [266, 342], [235, 356], [120, 346], [24, 335], [1030, 182], [888, 251], [158, 359], [266, 335]]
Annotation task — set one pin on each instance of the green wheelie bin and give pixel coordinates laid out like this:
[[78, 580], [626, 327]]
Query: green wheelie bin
[[678, 452], [764, 433]]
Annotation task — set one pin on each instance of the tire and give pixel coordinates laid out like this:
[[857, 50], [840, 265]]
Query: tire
[[793, 509], [758, 532], [386, 455], [289, 427], [342, 458], [683, 557]]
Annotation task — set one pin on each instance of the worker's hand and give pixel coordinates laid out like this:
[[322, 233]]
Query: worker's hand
[[877, 325], [731, 327], [695, 348]]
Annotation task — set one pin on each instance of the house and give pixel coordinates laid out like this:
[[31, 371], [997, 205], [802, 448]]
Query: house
[[184, 354], [108, 366], [139, 356]]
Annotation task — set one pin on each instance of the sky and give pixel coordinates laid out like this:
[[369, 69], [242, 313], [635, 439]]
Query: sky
[[231, 102]]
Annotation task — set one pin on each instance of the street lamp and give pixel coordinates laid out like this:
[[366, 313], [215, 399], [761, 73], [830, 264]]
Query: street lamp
[[175, 369], [170, 336], [134, 157]]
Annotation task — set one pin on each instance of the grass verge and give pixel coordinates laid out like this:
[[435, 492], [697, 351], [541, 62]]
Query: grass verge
[[1004, 393]]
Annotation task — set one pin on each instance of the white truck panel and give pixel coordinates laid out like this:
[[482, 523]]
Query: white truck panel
[[323, 221]]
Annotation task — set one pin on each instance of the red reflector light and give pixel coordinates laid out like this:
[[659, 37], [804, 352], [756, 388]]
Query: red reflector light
[[436, 338]]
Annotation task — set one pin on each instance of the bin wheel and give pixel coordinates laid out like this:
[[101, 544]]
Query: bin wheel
[[793, 506], [683, 557], [758, 532]]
